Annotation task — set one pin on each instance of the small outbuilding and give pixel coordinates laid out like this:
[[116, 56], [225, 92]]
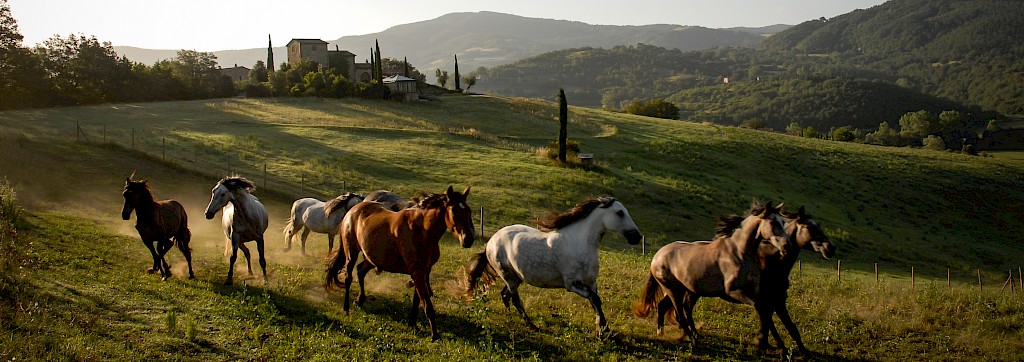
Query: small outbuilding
[[402, 85]]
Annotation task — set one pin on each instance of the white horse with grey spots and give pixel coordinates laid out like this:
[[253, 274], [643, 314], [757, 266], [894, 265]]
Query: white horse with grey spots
[[561, 254]]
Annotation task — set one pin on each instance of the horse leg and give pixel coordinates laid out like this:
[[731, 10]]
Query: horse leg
[[231, 260], [790, 326], [263, 259], [689, 302], [182, 241], [422, 283], [330, 243], [156, 261], [350, 263], [245, 251], [513, 295], [764, 313], [363, 268], [664, 306], [678, 298], [165, 269], [305, 234], [590, 293]]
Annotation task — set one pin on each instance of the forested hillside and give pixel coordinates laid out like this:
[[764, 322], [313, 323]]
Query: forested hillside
[[859, 69]]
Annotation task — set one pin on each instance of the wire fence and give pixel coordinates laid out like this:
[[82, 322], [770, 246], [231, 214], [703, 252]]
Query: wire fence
[[190, 155]]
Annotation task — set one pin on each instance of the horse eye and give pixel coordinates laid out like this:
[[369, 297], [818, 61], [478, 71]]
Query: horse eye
[[620, 213]]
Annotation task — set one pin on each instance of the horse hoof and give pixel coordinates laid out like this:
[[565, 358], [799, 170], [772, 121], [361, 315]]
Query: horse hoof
[[228, 282], [660, 332], [151, 270]]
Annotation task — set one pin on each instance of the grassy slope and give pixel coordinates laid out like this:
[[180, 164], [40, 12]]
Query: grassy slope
[[899, 207]]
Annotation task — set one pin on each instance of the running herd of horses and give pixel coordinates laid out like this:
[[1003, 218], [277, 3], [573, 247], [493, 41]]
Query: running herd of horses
[[748, 261]]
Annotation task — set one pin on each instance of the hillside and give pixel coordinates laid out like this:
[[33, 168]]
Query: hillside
[[488, 39], [897, 207], [968, 51]]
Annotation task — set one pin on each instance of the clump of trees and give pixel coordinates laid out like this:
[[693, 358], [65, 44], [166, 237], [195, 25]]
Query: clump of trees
[[81, 70], [658, 108]]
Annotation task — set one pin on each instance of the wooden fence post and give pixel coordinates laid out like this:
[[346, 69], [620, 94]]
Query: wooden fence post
[[981, 287], [876, 275], [948, 283], [839, 271]]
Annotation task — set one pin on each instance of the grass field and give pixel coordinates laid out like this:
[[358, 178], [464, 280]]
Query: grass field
[[82, 292]]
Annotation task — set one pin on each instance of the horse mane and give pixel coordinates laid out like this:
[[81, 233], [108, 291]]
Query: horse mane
[[726, 225], [142, 186], [553, 222], [431, 201], [238, 182], [338, 202]]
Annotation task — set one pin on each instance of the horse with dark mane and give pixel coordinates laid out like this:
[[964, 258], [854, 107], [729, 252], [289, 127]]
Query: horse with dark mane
[[726, 267], [244, 219], [404, 242], [312, 215], [561, 254], [161, 224]]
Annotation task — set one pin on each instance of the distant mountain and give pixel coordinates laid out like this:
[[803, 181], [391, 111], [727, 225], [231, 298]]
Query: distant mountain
[[488, 39]]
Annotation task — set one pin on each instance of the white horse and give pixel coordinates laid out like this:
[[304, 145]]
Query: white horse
[[312, 215], [562, 255], [244, 219]]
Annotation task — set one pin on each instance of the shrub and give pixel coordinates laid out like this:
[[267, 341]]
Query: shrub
[[572, 150]]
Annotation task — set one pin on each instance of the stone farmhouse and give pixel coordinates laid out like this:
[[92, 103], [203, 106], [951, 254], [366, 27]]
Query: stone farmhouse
[[316, 50]]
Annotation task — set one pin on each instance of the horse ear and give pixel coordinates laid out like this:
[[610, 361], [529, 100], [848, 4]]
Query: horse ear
[[801, 211], [466, 192], [779, 208], [450, 190], [767, 208]]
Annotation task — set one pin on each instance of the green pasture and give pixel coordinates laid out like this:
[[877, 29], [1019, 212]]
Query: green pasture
[[83, 293]]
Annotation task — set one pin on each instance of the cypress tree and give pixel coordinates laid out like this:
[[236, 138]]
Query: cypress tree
[[270, 54], [380, 65], [406, 61], [563, 124], [373, 65], [458, 86]]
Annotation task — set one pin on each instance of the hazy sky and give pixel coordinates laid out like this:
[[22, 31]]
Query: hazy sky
[[211, 25]]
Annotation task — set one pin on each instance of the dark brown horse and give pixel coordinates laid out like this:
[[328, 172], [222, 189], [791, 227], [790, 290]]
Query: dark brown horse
[[804, 233], [726, 267], [161, 224], [404, 242]]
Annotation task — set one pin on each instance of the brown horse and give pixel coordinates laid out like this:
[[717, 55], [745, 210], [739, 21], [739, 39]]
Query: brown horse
[[161, 224], [804, 233], [726, 267], [404, 242]]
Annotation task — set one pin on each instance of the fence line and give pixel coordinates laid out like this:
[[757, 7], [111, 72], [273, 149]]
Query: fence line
[[212, 166]]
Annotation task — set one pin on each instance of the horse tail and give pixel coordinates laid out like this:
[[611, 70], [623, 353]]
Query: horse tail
[[649, 298], [477, 271], [336, 262]]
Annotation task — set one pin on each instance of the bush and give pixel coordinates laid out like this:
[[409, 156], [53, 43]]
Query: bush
[[10, 216], [658, 108], [572, 150], [258, 90], [934, 142]]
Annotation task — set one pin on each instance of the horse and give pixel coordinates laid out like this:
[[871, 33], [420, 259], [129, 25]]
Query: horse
[[404, 242], [309, 214], [561, 254], [158, 222], [390, 200], [726, 267], [244, 219], [804, 233]]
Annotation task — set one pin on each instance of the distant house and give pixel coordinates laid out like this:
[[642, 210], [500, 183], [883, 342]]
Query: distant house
[[316, 50], [402, 85], [236, 73]]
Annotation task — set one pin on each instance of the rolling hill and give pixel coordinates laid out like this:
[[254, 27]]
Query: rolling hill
[[488, 39], [82, 292]]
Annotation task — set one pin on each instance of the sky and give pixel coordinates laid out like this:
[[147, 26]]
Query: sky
[[211, 25]]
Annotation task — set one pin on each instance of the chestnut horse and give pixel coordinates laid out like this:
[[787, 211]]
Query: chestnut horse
[[726, 267], [404, 242], [158, 222]]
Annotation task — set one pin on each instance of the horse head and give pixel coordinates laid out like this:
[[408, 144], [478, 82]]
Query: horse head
[[134, 193], [459, 216], [809, 235], [224, 192], [769, 225], [617, 219]]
